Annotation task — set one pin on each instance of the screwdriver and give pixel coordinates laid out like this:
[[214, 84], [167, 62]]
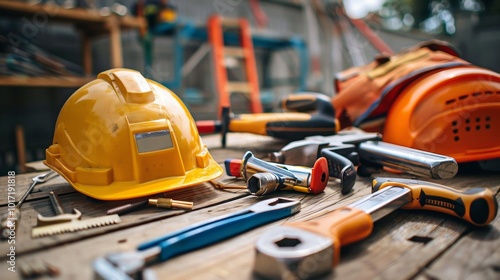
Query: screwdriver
[[288, 249], [306, 114]]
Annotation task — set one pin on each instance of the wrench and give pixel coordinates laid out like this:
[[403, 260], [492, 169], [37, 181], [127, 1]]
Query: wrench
[[304, 250], [16, 213], [131, 265]]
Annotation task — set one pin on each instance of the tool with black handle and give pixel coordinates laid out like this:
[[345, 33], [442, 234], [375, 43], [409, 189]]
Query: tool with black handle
[[354, 147], [308, 114], [290, 249]]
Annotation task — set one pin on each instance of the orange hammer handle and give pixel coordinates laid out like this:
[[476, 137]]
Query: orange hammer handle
[[343, 226]]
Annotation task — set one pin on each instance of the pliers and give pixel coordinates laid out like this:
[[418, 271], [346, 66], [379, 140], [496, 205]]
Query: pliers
[[131, 265]]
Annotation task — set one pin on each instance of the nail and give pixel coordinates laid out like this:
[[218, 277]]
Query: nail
[[126, 208]]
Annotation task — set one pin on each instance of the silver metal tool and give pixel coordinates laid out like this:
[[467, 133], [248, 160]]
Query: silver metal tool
[[264, 177], [131, 265], [407, 160], [15, 214], [305, 250], [61, 216], [354, 147]]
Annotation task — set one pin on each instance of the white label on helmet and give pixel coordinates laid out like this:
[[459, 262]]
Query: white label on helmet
[[153, 141]]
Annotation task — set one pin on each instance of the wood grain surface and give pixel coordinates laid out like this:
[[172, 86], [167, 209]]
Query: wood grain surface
[[403, 245]]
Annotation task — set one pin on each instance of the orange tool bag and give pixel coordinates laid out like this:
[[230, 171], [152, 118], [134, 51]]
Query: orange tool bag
[[426, 98]]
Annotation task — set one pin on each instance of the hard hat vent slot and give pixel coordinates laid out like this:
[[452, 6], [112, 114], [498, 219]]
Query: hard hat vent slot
[[479, 95], [470, 124]]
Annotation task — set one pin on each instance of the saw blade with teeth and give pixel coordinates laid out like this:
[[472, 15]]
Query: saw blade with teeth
[[75, 225]]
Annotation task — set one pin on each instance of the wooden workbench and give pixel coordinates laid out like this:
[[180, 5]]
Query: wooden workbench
[[405, 244]]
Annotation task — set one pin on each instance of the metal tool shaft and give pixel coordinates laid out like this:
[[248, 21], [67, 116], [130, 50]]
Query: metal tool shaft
[[61, 216], [381, 204], [122, 209], [37, 179], [56, 203], [411, 161]]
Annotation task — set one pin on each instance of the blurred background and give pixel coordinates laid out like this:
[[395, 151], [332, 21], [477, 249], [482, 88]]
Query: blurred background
[[299, 46]]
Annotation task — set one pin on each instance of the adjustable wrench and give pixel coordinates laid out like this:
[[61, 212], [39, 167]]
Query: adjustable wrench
[[289, 250], [15, 214], [132, 265]]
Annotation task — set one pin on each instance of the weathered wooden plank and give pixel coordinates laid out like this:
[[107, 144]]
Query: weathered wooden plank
[[24, 181], [202, 195], [388, 253], [237, 145], [129, 238], [126, 239]]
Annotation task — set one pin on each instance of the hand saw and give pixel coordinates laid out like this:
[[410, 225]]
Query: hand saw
[[75, 225]]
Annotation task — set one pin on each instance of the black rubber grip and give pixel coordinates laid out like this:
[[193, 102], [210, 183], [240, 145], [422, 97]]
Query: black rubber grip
[[340, 167], [475, 205]]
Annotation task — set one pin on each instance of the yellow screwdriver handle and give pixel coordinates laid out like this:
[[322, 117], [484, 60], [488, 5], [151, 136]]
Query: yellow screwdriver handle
[[343, 226], [477, 206]]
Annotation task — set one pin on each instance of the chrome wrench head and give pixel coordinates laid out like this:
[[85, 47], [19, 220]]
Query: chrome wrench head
[[292, 253], [125, 265], [41, 178], [275, 204]]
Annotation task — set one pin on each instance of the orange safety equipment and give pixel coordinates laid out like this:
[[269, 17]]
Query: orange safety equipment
[[123, 136], [426, 98], [455, 112]]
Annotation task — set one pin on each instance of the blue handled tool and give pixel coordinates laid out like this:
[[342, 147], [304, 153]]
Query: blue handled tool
[[130, 265]]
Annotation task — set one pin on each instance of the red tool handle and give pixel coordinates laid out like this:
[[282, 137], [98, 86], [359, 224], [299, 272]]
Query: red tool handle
[[318, 178], [209, 126], [233, 167]]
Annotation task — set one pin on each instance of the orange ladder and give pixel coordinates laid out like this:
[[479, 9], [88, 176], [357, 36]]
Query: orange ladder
[[244, 52]]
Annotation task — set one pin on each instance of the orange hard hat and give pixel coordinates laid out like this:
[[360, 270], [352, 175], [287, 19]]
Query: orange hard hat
[[455, 112]]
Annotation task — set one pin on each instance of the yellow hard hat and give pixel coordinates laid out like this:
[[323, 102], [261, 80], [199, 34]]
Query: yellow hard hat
[[123, 136]]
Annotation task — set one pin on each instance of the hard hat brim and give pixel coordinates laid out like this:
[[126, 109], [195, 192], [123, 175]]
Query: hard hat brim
[[129, 190]]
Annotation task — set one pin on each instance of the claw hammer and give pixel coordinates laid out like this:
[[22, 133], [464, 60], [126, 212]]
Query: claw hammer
[[290, 249]]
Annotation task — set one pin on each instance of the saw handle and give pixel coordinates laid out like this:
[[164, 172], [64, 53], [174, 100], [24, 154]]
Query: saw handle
[[477, 206], [344, 226]]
